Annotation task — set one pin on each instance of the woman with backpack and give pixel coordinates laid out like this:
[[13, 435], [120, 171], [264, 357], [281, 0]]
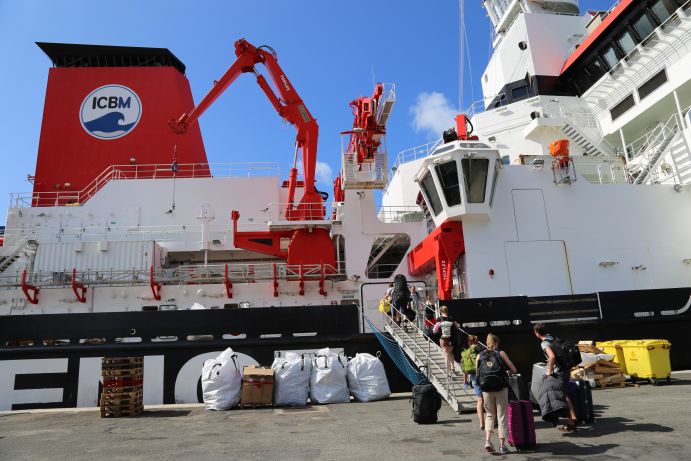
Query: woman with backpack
[[468, 364], [492, 365], [445, 324]]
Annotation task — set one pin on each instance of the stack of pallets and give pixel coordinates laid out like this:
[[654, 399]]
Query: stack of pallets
[[123, 380], [603, 373]]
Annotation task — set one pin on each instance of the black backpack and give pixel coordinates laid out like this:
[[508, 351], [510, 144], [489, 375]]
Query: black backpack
[[491, 372], [567, 353], [401, 293], [426, 403]]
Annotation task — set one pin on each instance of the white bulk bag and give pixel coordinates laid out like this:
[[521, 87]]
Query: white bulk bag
[[291, 380], [328, 382], [367, 378], [222, 381]]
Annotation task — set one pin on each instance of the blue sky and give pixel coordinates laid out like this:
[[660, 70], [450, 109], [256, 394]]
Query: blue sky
[[328, 49]]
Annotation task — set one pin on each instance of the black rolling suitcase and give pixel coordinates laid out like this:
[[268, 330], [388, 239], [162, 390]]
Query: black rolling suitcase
[[518, 389], [581, 396], [426, 404]]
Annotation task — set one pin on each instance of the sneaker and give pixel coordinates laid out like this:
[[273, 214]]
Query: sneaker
[[489, 447], [503, 450]]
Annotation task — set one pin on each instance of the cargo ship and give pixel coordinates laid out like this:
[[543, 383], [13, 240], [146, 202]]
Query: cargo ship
[[560, 197]]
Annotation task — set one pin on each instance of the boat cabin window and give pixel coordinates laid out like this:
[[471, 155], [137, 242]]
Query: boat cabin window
[[643, 26], [662, 9], [427, 185], [448, 177], [626, 42], [610, 56], [475, 178], [596, 69]]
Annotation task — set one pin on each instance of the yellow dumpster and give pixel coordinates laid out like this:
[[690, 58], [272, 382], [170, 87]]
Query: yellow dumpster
[[614, 348], [648, 358]]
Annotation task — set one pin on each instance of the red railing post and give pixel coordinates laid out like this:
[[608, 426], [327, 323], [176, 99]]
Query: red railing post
[[302, 280], [155, 287], [30, 291], [275, 281], [322, 282], [78, 288], [229, 285]]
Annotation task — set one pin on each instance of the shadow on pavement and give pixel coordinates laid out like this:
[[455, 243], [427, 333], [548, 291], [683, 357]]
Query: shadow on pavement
[[570, 448], [164, 413], [615, 425]]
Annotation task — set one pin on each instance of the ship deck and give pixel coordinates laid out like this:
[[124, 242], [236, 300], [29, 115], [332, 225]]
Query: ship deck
[[643, 422]]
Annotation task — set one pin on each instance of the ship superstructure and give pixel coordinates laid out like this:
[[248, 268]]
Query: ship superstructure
[[559, 197]]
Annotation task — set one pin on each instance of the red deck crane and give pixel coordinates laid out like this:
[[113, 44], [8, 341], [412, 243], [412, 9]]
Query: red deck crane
[[308, 245], [289, 106], [369, 126]]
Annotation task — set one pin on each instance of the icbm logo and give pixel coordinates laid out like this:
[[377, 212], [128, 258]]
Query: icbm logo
[[110, 112]]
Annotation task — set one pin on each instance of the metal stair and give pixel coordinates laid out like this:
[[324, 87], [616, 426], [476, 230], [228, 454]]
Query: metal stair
[[581, 140], [681, 157], [428, 356], [658, 147], [12, 254]]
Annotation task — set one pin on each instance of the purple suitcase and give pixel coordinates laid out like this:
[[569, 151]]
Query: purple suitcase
[[521, 425]]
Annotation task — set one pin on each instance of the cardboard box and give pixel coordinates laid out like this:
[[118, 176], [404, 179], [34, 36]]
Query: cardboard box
[[257, 386]]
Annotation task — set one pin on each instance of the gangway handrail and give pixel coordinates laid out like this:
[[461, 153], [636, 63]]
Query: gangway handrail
[[422, 356]]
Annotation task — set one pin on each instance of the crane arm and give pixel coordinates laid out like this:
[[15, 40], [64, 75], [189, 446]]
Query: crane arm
[[289, 106]]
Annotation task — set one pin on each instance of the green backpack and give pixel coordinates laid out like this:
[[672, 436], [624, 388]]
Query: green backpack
[[469, 360]]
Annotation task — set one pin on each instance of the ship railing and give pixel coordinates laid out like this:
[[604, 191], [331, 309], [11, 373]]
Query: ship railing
[[287, 215], [142, 171], [415, 153], [647, 151], [126, 233], [386, 103], [182, 275], [400, 214], [366, 175], [382, 270], [646, 142]]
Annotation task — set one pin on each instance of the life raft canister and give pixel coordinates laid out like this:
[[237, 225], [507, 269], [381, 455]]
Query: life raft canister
[[560, 151]]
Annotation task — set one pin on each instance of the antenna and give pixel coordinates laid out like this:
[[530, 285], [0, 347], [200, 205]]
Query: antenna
[[461, 49]]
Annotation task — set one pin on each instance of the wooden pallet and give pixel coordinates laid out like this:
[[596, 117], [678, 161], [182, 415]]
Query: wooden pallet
[[615, 385], [121, 390], [126, 412], [134, 373], [122, 381], [138, 361], [124, 401], [127, 397]]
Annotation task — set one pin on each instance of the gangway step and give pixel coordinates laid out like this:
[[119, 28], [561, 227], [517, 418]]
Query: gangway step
[[429, 357]]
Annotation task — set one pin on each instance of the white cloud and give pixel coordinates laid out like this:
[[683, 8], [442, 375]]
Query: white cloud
[[324, 173], [432, 113]]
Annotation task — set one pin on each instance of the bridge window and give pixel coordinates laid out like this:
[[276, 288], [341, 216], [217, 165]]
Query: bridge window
[[475, 178], [662, 9], [610, 56], [448, 177], [596, 69], [643, 26], [626, 42], [431, 195]]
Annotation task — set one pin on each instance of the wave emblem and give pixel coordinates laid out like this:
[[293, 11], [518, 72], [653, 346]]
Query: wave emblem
[[110, 112]]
